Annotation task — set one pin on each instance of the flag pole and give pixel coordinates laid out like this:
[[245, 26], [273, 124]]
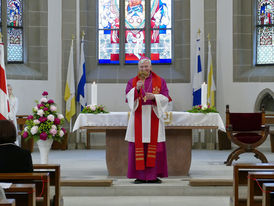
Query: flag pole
[[80, 67], [77, 56], [70, 122]]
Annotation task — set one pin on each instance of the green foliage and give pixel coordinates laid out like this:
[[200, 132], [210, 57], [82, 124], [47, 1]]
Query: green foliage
[[94, 109], [205, 110]]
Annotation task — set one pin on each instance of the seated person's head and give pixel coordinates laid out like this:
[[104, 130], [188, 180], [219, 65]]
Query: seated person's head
[[7, 132]]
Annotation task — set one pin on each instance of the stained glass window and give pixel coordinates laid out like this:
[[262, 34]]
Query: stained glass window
[[161, 38], [140, 36], [135, 35], [108, 32], [265, 27], [135, 46], [15, 30], [15, 45]]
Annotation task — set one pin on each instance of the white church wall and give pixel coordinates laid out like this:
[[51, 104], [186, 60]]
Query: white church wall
[[112, 96], [29, 90], [241, 97]]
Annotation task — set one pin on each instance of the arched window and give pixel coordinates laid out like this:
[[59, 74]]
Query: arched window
[[15, 31], [141, 28], [265, 32]]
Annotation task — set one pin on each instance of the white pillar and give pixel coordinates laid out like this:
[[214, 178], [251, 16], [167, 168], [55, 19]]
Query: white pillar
[[55, 51], [224, 53]]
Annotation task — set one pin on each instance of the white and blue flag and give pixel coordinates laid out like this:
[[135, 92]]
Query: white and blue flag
[[81, 87], [198, 75]]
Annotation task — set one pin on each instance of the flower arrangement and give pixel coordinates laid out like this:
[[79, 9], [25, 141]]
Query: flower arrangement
[[94, 109], [45, 123], [201, 109]]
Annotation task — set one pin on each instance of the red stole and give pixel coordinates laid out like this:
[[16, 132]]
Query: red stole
[[152, 146]]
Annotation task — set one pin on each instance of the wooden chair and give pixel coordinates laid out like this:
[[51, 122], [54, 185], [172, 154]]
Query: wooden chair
[[248, 131], [268, 195], [25, 144], [41, 181], [7, 202], [240, 175], [24, 194], [55, 172]]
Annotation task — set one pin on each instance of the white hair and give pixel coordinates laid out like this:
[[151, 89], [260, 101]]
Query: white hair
[[143, 61]]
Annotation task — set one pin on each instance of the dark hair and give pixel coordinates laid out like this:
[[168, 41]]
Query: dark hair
[[7, 132]]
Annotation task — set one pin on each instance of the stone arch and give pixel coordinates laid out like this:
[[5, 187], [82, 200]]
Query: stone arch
[[266, 98]]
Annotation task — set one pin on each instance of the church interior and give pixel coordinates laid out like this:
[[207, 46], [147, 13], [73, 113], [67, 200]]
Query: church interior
[[90, 157]]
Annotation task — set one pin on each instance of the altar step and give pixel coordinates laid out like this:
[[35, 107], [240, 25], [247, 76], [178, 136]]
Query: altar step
[[169, 187], [148, 201]]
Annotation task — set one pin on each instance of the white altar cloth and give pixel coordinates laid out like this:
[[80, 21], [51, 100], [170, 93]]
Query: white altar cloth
[[176, 119]]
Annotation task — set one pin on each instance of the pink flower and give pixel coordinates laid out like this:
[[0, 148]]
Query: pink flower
[[60, 116], [53, 132], [57, 121], [53, 108], [61, 133], [40, 112], [50, 101], [34, 130], [63, 129], [43, 136], [93, 107], [30, 117], [45, 93], [43, 100], [45, 109], [25, 135], [50, 118], [42, 119], [36, 121]]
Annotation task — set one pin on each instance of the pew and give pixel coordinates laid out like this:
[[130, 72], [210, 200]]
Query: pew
[[24, 194], [268, 194], [54, 171], [240, 174], [253, 188], [41, 181], [7, 202]]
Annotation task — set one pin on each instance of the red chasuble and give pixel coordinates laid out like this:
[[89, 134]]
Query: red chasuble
[[152, 146]]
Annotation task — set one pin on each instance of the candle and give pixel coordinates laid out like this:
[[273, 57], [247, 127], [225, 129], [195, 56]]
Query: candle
[[94, 94], [204, 94]]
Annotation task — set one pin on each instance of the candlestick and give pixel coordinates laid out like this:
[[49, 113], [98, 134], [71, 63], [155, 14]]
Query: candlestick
[[94, 94], [204, 94]]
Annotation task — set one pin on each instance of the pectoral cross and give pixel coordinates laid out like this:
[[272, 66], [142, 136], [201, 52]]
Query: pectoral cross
[[145, 98]]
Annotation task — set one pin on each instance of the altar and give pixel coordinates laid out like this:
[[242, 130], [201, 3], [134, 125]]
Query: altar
[[179, 127]]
